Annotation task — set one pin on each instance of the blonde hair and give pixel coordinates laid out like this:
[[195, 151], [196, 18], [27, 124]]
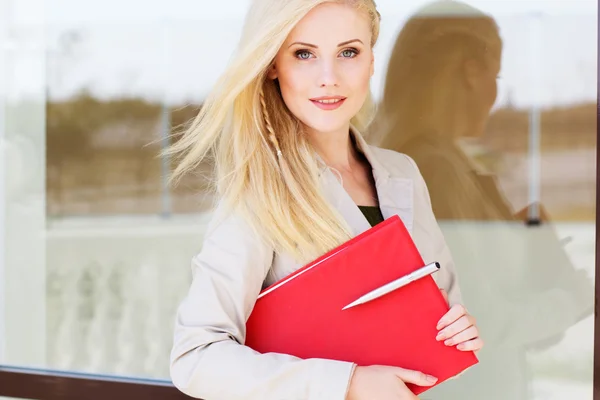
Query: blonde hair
[[264, 166], [423, 112], [422, 87]]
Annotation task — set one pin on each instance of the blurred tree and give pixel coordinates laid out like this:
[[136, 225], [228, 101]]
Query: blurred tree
[[100, 150]]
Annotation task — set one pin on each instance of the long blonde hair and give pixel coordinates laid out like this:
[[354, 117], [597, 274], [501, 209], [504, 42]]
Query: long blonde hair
[[423, 94], [423, 111], [264, 165]]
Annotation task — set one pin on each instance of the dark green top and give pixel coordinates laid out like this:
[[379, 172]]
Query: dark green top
[[372, 213]]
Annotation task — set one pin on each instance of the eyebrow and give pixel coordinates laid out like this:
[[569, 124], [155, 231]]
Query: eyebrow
[[315, 46]]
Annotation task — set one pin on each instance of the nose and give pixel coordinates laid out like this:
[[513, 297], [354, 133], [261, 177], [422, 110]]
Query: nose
[[328, 74]]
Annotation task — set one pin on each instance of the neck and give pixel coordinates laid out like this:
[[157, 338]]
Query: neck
[[335, 148]]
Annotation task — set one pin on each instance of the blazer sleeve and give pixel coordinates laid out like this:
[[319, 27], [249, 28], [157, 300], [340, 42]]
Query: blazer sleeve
[[523, 313], [209, 359]]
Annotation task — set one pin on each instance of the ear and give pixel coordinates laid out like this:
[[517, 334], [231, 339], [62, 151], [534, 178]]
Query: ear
[[272, 72], [372, 64]]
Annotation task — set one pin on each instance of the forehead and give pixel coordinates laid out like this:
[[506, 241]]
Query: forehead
[[332, 23]]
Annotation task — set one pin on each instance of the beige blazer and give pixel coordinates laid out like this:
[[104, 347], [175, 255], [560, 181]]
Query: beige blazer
[[209, 359]]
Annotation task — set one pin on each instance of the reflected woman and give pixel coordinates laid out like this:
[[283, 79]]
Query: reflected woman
[[439, 89]]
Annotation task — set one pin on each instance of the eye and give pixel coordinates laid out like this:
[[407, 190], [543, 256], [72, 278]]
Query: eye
[[349, 53], [303, 54]]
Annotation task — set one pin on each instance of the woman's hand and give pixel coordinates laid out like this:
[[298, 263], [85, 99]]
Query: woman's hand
[[385, 383], [457, 328]]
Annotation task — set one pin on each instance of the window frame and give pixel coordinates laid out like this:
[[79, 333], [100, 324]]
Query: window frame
[[39, 384]]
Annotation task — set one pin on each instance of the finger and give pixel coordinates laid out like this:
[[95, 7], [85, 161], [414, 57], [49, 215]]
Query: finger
[[457, 326], [457, 311], [445, 294], [471, 345], [416, 377], [468, 334]]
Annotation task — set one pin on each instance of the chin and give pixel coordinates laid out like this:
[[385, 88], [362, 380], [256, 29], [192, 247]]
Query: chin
[[327, 125], [327, 128]]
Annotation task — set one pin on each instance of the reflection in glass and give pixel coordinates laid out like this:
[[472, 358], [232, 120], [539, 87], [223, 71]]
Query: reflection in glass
[[519, 281]]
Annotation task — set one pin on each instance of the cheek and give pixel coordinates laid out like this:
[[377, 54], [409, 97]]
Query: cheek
[[357, 79], [488, 92], [357, 76], [293, 83], [493, 91]]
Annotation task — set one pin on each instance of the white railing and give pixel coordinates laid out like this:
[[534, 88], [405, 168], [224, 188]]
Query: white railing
[[113, 291]]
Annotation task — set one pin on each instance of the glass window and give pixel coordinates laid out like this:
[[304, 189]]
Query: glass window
[[95, 247]]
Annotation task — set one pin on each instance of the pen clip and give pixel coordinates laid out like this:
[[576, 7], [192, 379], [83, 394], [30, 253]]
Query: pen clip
[[395, 284]]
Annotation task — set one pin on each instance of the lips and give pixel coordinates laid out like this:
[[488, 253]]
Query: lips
[[328, 102]]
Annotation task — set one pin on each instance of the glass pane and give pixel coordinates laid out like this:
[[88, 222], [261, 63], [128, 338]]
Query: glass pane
[[118, 246], [90, 231], [95, 247]]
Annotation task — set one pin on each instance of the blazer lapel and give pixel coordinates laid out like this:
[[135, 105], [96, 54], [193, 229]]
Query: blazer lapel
[[395, 194], [343, 203], [396, 198]]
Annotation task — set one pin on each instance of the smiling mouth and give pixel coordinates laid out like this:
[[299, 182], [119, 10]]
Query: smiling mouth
[[328, 102]]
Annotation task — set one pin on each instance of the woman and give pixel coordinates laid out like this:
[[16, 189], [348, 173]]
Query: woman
[[439, 89], [283, 124]]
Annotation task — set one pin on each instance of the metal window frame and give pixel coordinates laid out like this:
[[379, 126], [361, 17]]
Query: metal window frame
[[38, 384]]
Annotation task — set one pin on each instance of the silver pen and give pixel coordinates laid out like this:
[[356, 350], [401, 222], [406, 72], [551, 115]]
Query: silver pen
[[396, 284]]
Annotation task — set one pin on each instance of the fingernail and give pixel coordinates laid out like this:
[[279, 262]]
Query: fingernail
[[449, 342], [440, 324], [440, 336], [460, 346], [431, 379]]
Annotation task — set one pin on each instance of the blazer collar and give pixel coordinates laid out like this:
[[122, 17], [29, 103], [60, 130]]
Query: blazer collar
[[395, 194]]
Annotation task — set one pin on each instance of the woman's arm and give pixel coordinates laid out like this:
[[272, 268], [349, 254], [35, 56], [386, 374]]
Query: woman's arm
[[209, 359], [489, 251]]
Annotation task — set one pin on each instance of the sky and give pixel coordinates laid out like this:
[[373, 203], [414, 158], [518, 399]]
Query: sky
[[176, 49]]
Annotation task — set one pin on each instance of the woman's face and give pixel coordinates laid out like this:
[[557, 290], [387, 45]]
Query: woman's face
[[489, 89], [484, 91], [325, 65]]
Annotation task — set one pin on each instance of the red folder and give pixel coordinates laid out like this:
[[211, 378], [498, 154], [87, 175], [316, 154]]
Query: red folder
[[302, 314]]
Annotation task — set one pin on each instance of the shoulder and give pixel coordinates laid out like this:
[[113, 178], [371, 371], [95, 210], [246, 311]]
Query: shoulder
[[397, 164]]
